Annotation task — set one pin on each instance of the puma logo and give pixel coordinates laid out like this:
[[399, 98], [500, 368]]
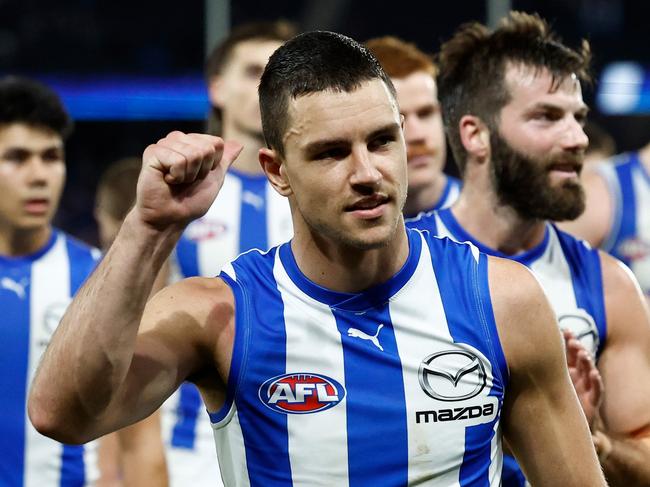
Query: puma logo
[[354, 332], [11, 285]]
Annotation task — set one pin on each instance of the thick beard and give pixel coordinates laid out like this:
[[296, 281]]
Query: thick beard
[[523, 183]]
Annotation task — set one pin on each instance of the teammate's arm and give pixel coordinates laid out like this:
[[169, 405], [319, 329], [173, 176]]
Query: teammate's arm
[[99, 374], [623, 438], [542, 419], [595, 222]]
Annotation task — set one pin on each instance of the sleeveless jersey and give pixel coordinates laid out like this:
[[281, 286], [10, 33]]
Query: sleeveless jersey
[[629, 236], [35, 291], [247, 213], [399, 385], [568, 270]]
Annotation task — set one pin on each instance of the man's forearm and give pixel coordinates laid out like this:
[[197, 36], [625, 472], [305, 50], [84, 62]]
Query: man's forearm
[[625, 461], [90, 353]]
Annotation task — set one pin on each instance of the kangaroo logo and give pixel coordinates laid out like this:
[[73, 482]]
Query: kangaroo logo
[[354, 332], [16, 287]]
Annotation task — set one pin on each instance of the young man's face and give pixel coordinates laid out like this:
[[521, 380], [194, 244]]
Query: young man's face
[[234, 91], [417, 96], [538, 148], [32, 174], [345, 162]]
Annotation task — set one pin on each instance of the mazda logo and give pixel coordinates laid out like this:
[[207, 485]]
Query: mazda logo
[[583, 327], [452, 375]]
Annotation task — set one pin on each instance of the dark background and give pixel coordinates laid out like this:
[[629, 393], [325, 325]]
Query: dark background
[[166, 38]]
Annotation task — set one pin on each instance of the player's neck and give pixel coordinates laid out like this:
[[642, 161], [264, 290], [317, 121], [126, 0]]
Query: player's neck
[[18, 242], [346, 269], [248, 160], [496, 226], [425, 197]]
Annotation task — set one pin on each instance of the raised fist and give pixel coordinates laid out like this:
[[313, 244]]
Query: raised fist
[[181, 176]]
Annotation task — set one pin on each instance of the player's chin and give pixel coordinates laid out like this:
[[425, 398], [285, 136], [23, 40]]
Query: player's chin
[[373, 236]]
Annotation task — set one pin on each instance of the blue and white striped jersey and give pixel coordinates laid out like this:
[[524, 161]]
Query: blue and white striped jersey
[[568, 270], [247, 213], [629, 236], [35, 290], [399, 385]]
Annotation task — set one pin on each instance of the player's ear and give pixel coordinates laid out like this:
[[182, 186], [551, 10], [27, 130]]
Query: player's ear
[[216, 91], [275, 170], [475, 136]]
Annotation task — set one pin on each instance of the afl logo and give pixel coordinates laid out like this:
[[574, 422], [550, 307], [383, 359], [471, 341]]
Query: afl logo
[[301, 393], [452, 375]]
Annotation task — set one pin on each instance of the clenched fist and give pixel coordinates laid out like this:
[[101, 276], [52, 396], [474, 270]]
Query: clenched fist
[[181, 176]]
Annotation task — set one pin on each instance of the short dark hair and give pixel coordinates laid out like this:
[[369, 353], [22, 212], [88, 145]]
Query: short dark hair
[[310, 63], [220, 55], [27, 101], [472, 67]]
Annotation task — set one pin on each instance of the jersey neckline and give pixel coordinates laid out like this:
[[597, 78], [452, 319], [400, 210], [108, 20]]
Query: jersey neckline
[[29, 258], [461, 235], [372, 297]]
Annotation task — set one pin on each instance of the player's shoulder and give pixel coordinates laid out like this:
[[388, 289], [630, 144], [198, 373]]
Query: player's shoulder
[[194, 297], [523, 314], [514, 289], [252, 264]]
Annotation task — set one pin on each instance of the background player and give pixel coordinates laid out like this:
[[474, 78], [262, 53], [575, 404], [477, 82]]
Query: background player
[[514, 113], [40, 269], [617, 215], [133, 456], [413, 74], [247, 214], [311, 307]]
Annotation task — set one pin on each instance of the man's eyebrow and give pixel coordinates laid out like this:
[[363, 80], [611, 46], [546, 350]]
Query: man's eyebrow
[[551, 107], [324, 144]]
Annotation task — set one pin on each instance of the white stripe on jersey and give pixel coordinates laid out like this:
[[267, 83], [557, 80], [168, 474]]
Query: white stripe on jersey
[[50, 295], [231, 450], [213, 253], [318, 351]]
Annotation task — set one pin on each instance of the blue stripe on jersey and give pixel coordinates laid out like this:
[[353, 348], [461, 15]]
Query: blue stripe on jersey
[[366, 365], [252, 226], [587, 279], [362, 366], [627, 226], [239, 349], [187, 257], [265, 431], [425, 221], [187, 412], [14, 353], [82, 263], [480, 332], [350, 301]]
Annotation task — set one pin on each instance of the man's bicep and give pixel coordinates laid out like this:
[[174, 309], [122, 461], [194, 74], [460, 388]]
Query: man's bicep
[[166, 353], [542, 420], [625, 361]]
